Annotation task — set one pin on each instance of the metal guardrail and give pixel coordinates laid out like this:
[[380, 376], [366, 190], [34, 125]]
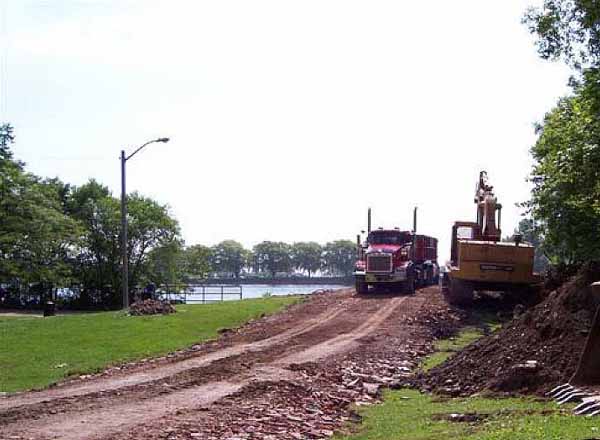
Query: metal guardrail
[[198, 293]]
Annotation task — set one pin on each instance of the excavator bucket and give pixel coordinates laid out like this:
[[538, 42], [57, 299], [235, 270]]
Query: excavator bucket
[[583, 385], [588, 369]]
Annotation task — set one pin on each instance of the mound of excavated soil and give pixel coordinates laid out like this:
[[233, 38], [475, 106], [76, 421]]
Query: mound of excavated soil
[[151, 307], [530, 354]]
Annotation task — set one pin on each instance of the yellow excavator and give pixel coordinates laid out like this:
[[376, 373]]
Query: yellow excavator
[[479, 260]]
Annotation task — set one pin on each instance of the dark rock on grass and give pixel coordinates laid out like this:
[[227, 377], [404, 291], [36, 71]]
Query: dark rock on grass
[[461, 418], [534, 352], [151, 307]]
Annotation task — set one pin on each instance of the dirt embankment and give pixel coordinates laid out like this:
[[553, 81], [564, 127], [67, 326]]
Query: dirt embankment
[[287, 376], [532, 353]]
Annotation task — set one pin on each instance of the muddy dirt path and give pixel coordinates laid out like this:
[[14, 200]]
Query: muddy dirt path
[[139, 402]]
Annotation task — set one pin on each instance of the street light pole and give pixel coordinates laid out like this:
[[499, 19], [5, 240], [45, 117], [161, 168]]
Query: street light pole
[[124, 257], [125, 262]]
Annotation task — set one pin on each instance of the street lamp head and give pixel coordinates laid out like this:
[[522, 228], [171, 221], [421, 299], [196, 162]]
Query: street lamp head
[[162, 140]]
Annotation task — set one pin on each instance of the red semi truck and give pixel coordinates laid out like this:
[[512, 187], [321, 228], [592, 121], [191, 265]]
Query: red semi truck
[[402, 260]]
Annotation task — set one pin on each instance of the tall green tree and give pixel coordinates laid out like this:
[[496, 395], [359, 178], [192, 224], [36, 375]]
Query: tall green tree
[[568, 30], [273, 257], [197, 262], [37, 239], [171, 263], [339, 257], [165, 264], [229, 256], [150, 225], [7, 138], [566, 176], [307, 256], [566, 180], [99, 262]]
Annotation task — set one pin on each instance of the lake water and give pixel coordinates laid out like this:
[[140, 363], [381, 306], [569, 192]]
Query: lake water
[[258, 290], [213, 293]]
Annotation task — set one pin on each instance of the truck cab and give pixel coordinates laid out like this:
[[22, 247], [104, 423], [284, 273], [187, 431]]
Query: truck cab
[[395, 259]]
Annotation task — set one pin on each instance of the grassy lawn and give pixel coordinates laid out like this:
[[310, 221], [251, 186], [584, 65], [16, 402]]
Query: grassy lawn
[[35, 352], [410, 415]]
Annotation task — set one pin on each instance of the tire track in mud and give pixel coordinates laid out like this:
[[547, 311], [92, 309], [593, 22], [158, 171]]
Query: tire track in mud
[[115, 415], [96, 424], [343, 342]]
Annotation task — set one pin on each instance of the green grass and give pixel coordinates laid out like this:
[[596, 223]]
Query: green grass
[[444, 348], [36, 352], [410, 415], [447, 347]]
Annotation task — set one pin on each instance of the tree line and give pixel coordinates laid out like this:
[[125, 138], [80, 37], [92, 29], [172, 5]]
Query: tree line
[[55, 235], [564, 210], [230, 259]]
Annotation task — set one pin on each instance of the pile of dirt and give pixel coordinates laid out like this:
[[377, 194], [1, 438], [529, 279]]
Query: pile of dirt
[[151, 307], [534, 352]]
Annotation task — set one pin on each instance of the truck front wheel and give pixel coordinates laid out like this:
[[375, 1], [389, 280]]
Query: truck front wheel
[[409, 285], [361, 286]]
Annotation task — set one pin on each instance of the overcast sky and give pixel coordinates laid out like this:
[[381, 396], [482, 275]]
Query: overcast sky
[[287, 118]]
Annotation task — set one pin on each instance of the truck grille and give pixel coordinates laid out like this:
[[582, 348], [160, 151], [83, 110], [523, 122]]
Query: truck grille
[[379, 263]]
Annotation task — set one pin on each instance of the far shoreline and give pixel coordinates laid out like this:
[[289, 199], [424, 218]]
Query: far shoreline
[[344, 281]]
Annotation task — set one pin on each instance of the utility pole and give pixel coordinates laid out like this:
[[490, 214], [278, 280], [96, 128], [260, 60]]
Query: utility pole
[[124, 257]]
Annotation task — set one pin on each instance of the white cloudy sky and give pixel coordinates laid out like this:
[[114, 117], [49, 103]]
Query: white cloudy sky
[[287, 118]]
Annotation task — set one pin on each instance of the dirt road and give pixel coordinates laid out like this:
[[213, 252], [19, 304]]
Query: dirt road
[[290, 375]]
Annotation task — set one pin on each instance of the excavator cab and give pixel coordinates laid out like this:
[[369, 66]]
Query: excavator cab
[[463, 231]]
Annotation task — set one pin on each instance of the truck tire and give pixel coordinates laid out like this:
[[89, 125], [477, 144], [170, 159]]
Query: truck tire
[[459, 293], [430, 277], [418, 278], [361, 287], [410, 285]]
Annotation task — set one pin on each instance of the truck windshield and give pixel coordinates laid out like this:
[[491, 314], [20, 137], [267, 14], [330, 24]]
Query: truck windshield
[[395, 238]]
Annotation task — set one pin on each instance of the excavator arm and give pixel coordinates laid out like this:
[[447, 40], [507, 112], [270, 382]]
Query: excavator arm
[[487, 207]]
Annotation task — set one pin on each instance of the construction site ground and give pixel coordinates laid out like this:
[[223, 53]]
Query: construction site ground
[[296, 374]]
